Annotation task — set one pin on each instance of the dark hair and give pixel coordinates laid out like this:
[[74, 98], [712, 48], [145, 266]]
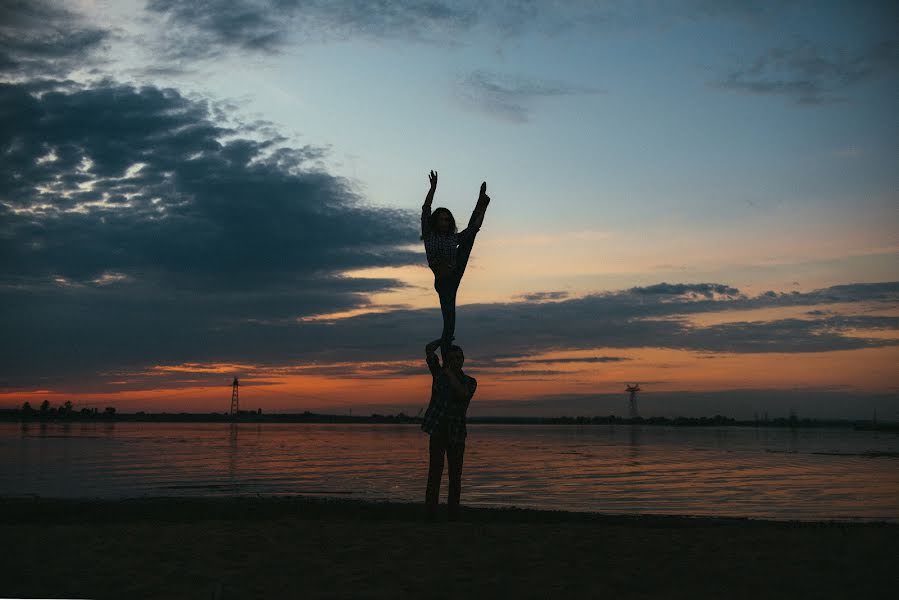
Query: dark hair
[[437, 211], [454, 348]]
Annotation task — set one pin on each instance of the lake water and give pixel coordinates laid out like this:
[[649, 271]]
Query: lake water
[[729, 471]]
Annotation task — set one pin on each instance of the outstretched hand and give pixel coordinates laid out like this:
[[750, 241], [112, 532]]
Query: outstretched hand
[[433, 179], [484, 198]]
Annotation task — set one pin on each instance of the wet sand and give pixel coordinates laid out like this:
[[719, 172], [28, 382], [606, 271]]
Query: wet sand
[[305, 547]]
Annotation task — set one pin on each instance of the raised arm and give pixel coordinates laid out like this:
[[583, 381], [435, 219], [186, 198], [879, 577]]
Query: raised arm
[[477, 215], [426, 207], [431, 356]]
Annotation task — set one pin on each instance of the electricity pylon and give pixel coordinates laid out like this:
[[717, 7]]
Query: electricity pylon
[[633, 389], [235, 407]]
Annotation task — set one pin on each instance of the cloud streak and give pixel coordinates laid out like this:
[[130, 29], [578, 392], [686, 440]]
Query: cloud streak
[[810, 75], [207, 28], [86, 330], [511, 97]]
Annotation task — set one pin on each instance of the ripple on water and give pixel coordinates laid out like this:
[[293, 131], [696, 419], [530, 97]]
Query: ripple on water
[[820, 474]]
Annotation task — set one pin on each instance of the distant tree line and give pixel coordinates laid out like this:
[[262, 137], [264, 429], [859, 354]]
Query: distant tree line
[[64, 411], [715, 421]]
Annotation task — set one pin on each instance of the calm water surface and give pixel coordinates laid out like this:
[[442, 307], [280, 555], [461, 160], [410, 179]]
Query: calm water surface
[[771, 473]]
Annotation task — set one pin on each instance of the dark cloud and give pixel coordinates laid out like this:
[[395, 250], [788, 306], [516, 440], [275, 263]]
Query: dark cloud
[[887, 291], [133, 226], [66, 337], [788, 335], [538, 296], [689, 290], [736, 403], [632, 318], [510, 97], [811, 75], [42, 39], [141, 182]]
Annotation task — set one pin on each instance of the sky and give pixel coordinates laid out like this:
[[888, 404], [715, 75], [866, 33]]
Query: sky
[[697, 196]]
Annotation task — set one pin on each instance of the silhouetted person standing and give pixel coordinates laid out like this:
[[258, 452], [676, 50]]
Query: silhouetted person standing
[[444, 420], [448, 252]]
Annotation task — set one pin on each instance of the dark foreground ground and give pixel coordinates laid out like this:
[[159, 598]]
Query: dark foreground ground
[[303, 548]]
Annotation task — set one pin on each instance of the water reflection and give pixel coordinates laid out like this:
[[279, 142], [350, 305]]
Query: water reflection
[[232, 453], [801, 474], [634, 446], [794, 440]]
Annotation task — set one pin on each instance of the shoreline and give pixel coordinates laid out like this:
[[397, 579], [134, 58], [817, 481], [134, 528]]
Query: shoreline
[[233, 547], [23, 509]]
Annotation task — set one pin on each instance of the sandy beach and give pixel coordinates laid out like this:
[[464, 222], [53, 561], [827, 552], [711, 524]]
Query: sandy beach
[[308, 547]]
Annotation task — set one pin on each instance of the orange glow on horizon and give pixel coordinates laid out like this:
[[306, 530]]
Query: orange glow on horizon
[[341, 386]]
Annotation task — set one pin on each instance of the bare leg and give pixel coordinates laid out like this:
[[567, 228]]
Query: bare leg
[[463, 253], [446, 290]]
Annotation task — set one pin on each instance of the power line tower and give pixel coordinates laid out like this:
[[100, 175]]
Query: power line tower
[[235, 407], [633, 389]]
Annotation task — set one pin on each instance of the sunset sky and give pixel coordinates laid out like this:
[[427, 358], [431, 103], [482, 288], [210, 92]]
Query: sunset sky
[[701, 196]]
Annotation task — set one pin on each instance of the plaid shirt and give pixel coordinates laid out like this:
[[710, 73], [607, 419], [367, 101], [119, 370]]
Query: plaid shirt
[[441, 248], [444, 408]]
